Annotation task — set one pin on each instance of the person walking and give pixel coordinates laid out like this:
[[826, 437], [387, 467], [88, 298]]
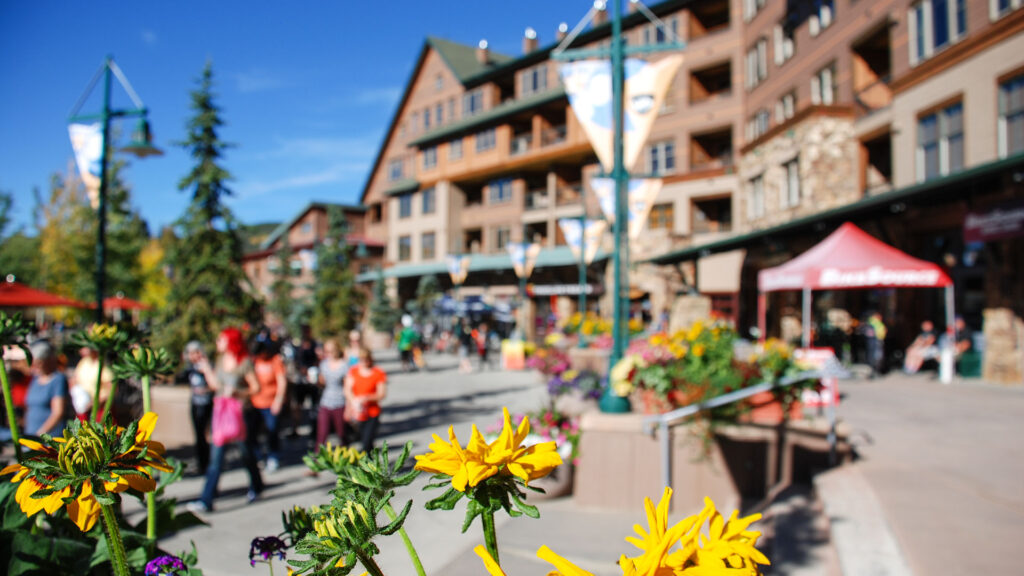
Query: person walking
[[331, 413], [355, 345], [201, 402], [407, 340], [466, 345], [365, 387], [876, 332], [233, 381], [268, 366], [83, 383], [483, 346], [47, 396]]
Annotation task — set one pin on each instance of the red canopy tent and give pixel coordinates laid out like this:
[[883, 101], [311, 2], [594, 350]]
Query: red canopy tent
[[121, 302], [17, 295], [849, 259]]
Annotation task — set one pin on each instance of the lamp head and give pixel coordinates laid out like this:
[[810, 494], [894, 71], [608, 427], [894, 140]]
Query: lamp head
[[141, 145]]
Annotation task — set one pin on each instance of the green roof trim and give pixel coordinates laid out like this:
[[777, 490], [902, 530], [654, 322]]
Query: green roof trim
[[548, 258], [284, 226], [862, 207], [462, 58], [402, 186], [499, 112]]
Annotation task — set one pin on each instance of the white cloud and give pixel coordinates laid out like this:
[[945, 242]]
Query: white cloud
[[335, 173], [257, 80], [149, 37]]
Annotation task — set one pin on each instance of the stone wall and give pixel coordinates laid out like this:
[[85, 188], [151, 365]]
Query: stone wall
[[1003, 358]]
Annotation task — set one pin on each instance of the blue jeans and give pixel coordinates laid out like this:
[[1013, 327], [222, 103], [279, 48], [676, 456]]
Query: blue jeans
[[217, 455], [263, 418]]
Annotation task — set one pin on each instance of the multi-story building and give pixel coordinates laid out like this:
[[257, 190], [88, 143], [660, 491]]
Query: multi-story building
[[905, 116], [303, 234]]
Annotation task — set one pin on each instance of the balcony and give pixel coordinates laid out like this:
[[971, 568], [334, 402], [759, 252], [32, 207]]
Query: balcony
[[711, 216], [711, 150], [873, 97], [521, 144], [569, 194], [553, 135], [708, 17], [537, 200], [872, 70], [712, 82]]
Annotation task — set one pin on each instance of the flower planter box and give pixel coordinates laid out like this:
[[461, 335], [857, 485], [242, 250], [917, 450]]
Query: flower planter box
[[766, 409], [593, 359]]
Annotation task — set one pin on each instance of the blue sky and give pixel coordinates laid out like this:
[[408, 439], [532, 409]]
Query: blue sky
[[307, 88]]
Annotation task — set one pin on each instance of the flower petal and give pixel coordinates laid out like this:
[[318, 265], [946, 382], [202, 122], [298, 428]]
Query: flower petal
[[489, 563]]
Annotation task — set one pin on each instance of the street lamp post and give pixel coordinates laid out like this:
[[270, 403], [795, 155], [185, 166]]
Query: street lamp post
[[141, 146]]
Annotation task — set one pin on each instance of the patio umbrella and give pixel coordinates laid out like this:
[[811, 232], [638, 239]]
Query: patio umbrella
[[17, 295], [121, 302]]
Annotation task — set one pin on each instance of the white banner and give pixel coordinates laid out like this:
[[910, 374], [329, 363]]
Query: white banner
[[87, 142], [588, 84], [524, 256], [458, 268], [642, 193], [575, 234]]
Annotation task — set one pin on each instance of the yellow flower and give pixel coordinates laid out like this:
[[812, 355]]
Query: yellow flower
[[694, 332], [565, 568], [698, 350], [479, 460], [80, 457]]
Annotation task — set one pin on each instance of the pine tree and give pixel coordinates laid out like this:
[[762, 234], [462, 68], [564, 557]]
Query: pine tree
[[337, 301], [209, 287], [383, 313], [428, 290], [281, 302]]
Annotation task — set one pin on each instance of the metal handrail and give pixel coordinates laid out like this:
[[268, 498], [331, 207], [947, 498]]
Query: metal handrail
[[668, 419]]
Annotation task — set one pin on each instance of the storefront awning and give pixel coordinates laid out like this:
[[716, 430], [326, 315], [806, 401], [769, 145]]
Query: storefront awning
[[548, 257], [961, 183]]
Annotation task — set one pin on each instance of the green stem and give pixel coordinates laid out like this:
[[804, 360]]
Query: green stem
[[370, 565], [150, 496], [405, 538], [490, 535], [109, 406], [114, 543], [96, 397], [11, 419], [147, 405]]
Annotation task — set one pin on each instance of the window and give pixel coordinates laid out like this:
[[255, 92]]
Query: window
[[821, 16], [485, 140], [426, 119], [785, 108], [660, 36], [940, 143], [405, 206], [534, 80], [429, 201], [1011, 116], [404, 248], [307, 227], [451, 109], [783, 44], [823, 86], [757, 64], [439, 83], [502, 236], [473, 102], [428, 243], [500, 191], [790, 194], [455, 149], [430, 158], [395, 171], [660, 157], [755, 199], [438, 114], [758, 125], [933, 25], [999, 8], [751, 8], [661, 217]]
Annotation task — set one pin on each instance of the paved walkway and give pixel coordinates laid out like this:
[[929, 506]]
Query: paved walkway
[[946, 466]]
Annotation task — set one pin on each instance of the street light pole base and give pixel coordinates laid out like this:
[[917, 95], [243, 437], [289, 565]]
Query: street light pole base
[[611, 403]]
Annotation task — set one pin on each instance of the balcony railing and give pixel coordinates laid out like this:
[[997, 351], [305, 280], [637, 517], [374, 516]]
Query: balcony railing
[[569, 195], [873, 97], [716, 163], [553, 135], [521, 144], [537, 200]]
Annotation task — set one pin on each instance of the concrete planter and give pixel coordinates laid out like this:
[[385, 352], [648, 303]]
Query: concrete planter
[[557, 484]]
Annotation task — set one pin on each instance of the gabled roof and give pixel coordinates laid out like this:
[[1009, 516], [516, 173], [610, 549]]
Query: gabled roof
[[462, 58], [287, 225]]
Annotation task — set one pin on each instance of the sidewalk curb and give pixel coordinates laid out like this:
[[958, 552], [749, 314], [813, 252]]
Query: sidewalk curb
[[860, 531]]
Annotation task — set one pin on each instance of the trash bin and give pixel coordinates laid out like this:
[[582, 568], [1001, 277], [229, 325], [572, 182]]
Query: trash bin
[[969, 365]]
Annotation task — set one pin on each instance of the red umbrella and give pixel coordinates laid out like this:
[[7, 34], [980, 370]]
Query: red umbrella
[[120, 302], [17, 295]]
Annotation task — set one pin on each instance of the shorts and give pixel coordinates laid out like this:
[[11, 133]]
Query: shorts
[[406, 355]]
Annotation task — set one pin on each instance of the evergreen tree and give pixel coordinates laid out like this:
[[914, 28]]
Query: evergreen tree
[[19, 252], [281, 303], [209, 289], [428, 290], [383, 313], [337, 301]]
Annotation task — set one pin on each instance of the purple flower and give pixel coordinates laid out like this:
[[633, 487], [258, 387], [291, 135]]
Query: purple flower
[[264, 549], [164, 566]]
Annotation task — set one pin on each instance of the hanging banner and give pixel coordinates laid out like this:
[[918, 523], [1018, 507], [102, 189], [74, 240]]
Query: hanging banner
[[458, 268], [588, 84], [87, 142], [575, 234], [642, 194], [524, 256]]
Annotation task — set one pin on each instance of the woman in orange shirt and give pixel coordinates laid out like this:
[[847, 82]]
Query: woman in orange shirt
[[365, 386], [268, 366]]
